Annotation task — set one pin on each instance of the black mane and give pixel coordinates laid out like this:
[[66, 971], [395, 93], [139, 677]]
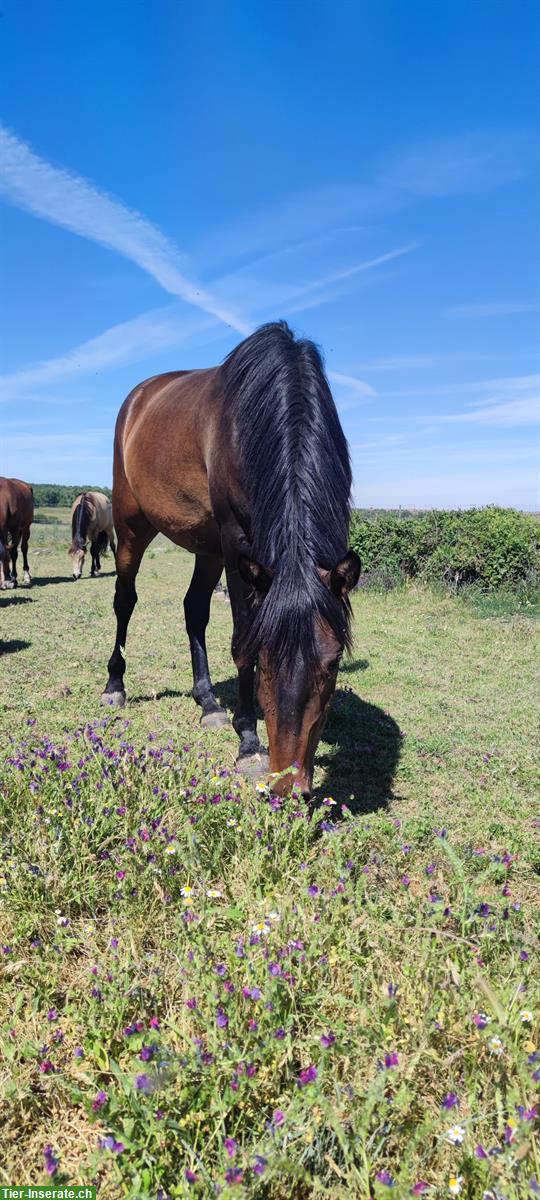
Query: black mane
[[295, 466], [80, 522]]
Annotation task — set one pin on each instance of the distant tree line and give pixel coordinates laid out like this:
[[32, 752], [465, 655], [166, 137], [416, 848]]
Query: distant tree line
[[62, 495]]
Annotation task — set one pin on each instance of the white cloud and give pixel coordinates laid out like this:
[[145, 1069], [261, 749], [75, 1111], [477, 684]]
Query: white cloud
[[471, 162], [65, 199], [351, 383]]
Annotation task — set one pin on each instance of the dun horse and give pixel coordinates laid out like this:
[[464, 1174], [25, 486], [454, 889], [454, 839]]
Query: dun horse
[[246, 466], [16, 516], [91, 521]]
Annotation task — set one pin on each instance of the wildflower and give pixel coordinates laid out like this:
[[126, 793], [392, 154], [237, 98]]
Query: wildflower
[[279, 1034], [99, 1101], [261, 928], [479, 1151], [190, 1176], [307, 1075], [327, 1039], [214, 894], [523, 956], [222, 1019], [142, 1083], [526, 1016], [232, 821], [496, 1046], [170, 848], [419, 1187], [259, 1166], [110, 1143], [61, 920], [52, 1015], [481, 1020], [450, 1101], [273, 916], [231, 1146], [313, 890], [385, 1178], [186, 891], [261, 787], [78, 1052], [405, 881], [278, 1117], [46, 1067], [454, 1184], [51, 1162], [120, 875], [455, 1135], [391, 1060], [153, 1023]]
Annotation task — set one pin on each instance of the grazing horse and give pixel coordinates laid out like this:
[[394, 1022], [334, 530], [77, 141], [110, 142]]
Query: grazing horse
[[246, 466], [91, 521], [16, 516]]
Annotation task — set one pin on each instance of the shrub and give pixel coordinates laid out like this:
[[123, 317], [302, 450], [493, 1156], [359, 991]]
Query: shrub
[[492, 547]]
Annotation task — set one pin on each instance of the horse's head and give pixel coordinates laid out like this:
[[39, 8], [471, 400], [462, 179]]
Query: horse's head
[[295, 689], [78, 554]]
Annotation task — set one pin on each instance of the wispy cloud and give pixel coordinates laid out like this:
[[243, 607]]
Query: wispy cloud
[[523, 410], [65, 199], [503, 308], [130, 341], [467, 163], [352, 383]]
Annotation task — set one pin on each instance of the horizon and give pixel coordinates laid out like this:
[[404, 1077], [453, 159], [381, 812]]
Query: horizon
[[369, 174]]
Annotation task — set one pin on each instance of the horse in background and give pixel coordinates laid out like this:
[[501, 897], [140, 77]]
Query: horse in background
[[16, 516], [246, 466], [91, 522]]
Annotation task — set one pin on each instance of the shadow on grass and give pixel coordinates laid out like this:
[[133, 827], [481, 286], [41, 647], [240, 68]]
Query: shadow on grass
[[13, 646], [13, 598], [366, 745], [44, 580]]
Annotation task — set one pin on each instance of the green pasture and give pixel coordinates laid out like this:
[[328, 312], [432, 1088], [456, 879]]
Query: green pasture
[[206, 991]]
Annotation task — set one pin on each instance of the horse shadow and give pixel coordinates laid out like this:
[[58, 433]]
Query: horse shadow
[[45, 580], [13, 598], [13, 646], [364, 746]]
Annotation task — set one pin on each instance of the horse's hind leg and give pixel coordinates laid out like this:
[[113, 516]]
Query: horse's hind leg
[[197, 611], [5, 574], [133, 538], [24, 548], [93, 554], [14, 552]]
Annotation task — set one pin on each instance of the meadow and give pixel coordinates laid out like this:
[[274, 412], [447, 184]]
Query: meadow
[[206, 990]]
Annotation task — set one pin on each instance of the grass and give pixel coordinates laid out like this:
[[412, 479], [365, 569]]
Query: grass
[[346, 1002]]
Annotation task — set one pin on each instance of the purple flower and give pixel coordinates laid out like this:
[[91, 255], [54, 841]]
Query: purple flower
[[385, 1178], [153, 1023], [450, 1101], [78, 1052], [51, 1162], [327, 1039], [147, 1053], [313, 890], [52, 1015], [231, 1146], [479, 1151], [234, 1175], [222, 1019], [523, 955], [142, 1083], [192, 1003], [110, 1143], [259, 1166], [419, 1187], [46, 1067], [99, 1100], [278, 1117], [307, 1075], [190, 1176], [279, 1034], [391, 1060], [120, 874], [405, 881]]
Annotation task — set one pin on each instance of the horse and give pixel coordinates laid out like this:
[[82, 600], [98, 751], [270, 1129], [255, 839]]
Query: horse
[[16, 516], [91, 521], [246, 466]]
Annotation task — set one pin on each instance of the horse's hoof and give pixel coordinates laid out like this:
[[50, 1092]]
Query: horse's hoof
[[114, 699], [217, 719], [253, 766], [27, 579], [7, 585]]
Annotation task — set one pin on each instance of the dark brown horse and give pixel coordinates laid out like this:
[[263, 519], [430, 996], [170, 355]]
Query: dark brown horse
[[246, 466], [16, 516]]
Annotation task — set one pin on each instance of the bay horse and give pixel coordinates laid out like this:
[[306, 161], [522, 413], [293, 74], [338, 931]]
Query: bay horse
[[246, 466], [91, 521], [16, 516]]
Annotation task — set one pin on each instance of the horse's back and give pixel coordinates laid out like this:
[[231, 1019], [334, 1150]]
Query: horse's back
[[16, 503], [164, 432]]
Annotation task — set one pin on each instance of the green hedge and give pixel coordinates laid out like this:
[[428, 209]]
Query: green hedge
[[492, 547]]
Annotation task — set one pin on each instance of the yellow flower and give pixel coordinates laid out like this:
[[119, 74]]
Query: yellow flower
[[454, 1184], [186, 891]]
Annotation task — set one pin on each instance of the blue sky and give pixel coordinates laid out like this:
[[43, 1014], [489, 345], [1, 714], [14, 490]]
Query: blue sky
[[174, 174]]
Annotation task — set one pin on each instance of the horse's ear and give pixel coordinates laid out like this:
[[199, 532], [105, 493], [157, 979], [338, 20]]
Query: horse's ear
[[257, 576], [345, 575]]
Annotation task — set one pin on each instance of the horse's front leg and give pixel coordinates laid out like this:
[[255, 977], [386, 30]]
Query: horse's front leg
[[14, 555], [252, 758], [197, 612], [24, 548]]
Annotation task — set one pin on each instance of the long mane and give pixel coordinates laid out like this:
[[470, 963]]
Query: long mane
[[295, 467], [80, 522]]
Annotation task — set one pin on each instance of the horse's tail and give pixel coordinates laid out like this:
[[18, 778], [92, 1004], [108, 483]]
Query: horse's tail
[[102, 542], [80, 522]]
